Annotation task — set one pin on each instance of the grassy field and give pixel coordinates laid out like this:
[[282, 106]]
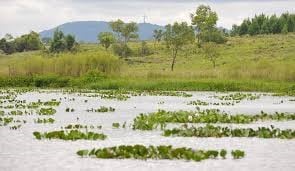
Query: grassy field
[[260, 63]]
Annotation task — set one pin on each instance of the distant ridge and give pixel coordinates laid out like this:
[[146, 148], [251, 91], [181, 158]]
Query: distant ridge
[[87, 31]]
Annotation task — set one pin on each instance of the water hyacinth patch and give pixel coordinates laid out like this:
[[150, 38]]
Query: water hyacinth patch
[[161, 118], [116, 125], [79, 126], [198, 103], [44, 121], [69, 135], [5, 120], [154, 152], [102, 109], [46, 111], [239, 96], [238, 154], [218, 131]]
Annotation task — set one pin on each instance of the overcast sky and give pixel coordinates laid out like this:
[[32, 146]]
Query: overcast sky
[[21, 16]]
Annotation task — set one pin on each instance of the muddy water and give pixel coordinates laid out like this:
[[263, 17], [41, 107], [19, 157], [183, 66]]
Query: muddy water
[[19, 150]]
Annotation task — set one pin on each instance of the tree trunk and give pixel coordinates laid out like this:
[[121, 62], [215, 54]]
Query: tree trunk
[[174, 53]]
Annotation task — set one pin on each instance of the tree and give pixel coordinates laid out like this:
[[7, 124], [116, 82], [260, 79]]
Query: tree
[[244, 27], [70, 42], [211, 52], [106, 39], [285, 29], [125, 32], [58, 43], [61, 42], [158, 34], [176, 36], [204, 19]]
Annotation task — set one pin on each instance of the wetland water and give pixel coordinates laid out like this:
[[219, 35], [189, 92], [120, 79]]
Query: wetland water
[[19, 150]]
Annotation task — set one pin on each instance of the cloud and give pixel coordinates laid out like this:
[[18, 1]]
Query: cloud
[[21, 16]]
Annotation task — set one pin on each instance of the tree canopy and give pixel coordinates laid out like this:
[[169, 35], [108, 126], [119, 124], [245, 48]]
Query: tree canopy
[[262, 24], [176, 36]]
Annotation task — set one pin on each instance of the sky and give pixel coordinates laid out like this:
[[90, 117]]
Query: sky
[[21, 16]]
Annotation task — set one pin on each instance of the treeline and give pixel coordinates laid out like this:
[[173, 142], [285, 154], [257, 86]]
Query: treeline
[[26, 42], [262, 24], [29, 42]]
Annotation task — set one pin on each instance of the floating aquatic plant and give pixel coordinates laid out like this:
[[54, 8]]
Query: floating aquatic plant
[[70, 135], [161, 118], [44, 120], [47, 111], [116, 125], [102, 109], [218, 131], [155, 152]]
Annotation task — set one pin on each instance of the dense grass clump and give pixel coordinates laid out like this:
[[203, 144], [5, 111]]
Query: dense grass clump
[[155, 152], [161, 118], [64, 64], [69, 135]]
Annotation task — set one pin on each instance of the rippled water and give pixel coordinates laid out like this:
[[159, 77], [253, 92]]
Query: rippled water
[[19, 150]]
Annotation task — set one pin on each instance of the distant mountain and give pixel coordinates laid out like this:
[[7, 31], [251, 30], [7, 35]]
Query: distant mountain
[[87, 31]]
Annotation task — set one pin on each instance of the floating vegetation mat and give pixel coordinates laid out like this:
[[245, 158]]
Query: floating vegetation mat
[[218, 131], [157, 152], [161, 118], [69, 135]]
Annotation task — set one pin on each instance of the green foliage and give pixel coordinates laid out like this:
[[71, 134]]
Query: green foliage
[[67, 64], [237, 154], [106, 39], [61, 42], [69, 135], [26, 42], [155, 152], [158, 35], [116, 125], [47, 111], [161, 118], [262, 24], [125, 32], [122, 50], [44, 121], [218, 131], [176, 36], [211, 52], [204, 19], [102, 109]]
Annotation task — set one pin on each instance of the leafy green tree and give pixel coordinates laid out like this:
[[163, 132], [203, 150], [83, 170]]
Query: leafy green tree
[[285, 29], [125, 32], [244, 27], [213, 35], [176, 36], [254, 28], [204, 19], [8, 47], [70, 42], [106, 39], [61, 42], [211, 52], [158, 34], [58, 43]]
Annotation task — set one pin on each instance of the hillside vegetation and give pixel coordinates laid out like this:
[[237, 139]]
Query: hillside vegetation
[[264, 62]]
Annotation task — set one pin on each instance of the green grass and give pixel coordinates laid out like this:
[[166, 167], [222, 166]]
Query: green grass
[[260, 63]]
